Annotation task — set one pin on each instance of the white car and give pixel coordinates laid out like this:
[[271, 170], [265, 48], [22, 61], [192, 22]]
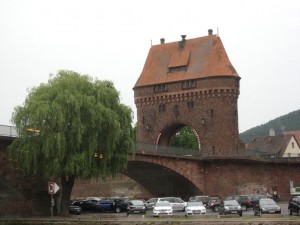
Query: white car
[[162, 208], [177, 203], [194, 208]]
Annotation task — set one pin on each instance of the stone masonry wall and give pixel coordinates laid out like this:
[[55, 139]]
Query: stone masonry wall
[[213, 114]]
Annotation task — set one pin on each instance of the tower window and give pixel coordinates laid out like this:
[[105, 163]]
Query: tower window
[[160, 88], [190, 105], [162, 108], [188, 84]]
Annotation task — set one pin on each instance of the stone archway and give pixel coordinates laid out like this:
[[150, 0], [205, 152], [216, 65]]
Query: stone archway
[[168, 133], [161, 180]]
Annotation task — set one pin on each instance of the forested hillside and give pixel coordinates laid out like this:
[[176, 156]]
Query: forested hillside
[[288, 122]]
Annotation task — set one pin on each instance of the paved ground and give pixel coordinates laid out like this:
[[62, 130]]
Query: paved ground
[[178, 218]]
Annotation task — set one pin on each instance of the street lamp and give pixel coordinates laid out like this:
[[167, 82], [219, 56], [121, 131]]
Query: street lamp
[[98, 155], [33, 130]]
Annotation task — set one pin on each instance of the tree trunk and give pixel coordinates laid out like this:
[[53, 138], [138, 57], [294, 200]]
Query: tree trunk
[[67, 184]]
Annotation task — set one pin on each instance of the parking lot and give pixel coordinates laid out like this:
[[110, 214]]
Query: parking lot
[[209, 214]]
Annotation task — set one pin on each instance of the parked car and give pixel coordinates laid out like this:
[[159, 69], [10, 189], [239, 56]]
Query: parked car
[[255, 197], [230, 207], [243, 200], [194, 208], [136, 206], [115, 204], [266, 205], [294, 205], [202, 198], [86, 205], [162, 208], [214, 203], [177, 203], [150, 203], [74, 209]]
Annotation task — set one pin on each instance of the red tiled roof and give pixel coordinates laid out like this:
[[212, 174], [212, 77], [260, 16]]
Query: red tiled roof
[[203, 56], [271, 144]]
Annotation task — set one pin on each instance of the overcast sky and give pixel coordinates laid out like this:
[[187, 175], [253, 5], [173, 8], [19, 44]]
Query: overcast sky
[[110, 40]]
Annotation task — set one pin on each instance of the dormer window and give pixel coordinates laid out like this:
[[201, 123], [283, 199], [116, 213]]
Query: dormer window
[[178, 68], [179, 61]]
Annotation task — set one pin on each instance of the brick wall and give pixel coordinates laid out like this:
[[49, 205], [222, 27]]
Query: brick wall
[[213, 115]]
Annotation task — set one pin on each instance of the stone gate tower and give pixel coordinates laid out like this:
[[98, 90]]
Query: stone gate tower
[[189, 83]]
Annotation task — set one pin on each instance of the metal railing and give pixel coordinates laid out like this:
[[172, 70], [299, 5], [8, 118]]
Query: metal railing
[[170, 151], [166, 150], [8, 131]]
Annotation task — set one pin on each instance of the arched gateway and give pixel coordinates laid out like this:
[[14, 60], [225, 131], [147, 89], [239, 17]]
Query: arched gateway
[[189, 83]]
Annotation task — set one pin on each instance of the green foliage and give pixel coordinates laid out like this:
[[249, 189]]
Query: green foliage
[[288, 122], [185, 138], [77, 117]]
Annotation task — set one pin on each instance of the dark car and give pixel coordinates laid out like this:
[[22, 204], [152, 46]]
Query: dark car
[[86, 205], [201, 198], [136, 206], [255, 198], [230, 207], [114, 204], [74, 209], [294, 205], [243, 200], [214, 203], [266, 206]]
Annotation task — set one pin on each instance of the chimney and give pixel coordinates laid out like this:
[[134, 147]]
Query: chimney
[[162, 40], [210, 32], [271, 132], [182, 42]]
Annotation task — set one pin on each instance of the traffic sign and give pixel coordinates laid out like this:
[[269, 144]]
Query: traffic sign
[[52, 188]]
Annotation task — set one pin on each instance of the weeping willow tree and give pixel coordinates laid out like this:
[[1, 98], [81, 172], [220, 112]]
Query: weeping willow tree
[[72, 127]]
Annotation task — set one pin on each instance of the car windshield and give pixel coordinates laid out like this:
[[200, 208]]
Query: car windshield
[[267, 201], [136, 202], [256, 197], [195, 204], [163, 203], [231, 203], [199, 198]]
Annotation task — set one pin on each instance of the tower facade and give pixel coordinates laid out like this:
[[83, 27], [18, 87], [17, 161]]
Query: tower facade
[[189, 83]]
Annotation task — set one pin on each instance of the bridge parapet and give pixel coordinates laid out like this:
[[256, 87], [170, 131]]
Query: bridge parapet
[[171, 151], [8, 131]]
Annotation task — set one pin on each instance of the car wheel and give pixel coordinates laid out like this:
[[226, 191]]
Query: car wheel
[[216, 208], [241, 214], [290, 212], [118, 210], [244, 207]]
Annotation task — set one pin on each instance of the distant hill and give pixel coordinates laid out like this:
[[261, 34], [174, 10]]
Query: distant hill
[[288, 122]]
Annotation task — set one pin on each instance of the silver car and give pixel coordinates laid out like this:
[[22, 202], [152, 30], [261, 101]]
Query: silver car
[[177, 203]]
